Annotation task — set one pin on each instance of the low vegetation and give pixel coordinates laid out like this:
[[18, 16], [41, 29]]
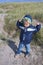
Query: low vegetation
[[20, 9], [16, 11]]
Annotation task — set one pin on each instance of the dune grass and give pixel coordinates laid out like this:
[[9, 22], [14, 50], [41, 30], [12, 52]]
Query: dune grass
[[20, 9], [16, 11]]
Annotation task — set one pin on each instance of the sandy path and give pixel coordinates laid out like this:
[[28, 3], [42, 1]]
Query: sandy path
[[7, 52], [2, 23]]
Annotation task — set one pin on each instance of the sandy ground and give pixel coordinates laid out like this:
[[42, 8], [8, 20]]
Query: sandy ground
[[7, 52]]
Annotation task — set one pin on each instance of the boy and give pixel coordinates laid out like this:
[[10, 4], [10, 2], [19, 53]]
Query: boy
[[27, 32]]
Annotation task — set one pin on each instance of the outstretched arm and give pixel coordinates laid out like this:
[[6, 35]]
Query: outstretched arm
[[20, 25]]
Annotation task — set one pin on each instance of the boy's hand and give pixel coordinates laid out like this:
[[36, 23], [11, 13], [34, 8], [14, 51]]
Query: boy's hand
[[19, 20], [37, 23]]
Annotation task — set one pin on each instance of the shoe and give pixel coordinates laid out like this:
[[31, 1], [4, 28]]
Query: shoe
[[27, 55], [16, 55]]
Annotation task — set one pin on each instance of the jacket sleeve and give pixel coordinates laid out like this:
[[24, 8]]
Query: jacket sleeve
[[20, 25], [37, 28]]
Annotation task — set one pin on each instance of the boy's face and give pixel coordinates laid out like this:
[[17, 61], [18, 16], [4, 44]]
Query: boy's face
[[26, 24]]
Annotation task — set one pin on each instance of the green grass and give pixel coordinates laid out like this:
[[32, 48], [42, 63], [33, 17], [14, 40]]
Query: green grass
[[20, 9], [10, 24], [16, 11]]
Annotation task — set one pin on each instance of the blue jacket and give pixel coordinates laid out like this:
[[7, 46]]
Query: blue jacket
[[27, 33]]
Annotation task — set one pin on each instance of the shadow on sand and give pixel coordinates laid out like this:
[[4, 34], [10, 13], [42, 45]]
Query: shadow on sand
[[11, 44]]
